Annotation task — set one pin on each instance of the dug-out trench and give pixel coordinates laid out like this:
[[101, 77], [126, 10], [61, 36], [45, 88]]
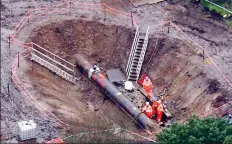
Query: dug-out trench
[[173, 67]]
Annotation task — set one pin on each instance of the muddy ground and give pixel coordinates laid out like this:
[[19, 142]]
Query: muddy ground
[[191, 84]]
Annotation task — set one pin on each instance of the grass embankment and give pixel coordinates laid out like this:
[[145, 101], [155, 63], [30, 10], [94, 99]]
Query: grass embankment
[[213, 7]]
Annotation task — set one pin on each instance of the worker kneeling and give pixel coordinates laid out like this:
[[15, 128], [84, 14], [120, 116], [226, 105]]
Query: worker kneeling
[[158, 110], [95, 70], [147, 109], [147, 85]]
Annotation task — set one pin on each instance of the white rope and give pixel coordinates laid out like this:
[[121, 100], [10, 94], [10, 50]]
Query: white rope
[[89, 133], [141, 136], [149, 139]]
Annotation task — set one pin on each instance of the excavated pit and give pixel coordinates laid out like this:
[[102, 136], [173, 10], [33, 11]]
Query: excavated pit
[[174, 67]]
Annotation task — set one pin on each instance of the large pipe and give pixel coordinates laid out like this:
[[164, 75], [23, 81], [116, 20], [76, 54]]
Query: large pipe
[[114, 94]]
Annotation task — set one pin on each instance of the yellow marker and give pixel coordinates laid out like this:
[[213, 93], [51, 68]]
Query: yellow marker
[[208, 61]]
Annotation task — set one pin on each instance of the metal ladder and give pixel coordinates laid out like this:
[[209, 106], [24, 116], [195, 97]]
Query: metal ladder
[[137, 54], [52, 67]]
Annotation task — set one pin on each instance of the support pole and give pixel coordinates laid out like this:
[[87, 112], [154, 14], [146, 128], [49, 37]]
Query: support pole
[[8, 89], [11, 74], [104, 12], [70, 7], [132, 19], [9, 40], [28, 15], [203, 55], [168, 27], [18, 59]]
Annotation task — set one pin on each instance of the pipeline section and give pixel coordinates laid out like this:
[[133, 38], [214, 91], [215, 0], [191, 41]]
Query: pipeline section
[[112, 92]]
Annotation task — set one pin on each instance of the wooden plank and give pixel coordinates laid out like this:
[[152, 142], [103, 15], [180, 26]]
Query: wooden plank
[[137, 3]]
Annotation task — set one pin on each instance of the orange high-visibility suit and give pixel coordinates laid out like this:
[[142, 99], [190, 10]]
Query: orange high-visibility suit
[[147, 85], [147, 109], [154, 107], [160, 111], [56, 140]]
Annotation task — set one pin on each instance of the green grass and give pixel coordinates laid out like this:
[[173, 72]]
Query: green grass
[[229, 23], [215, 8]]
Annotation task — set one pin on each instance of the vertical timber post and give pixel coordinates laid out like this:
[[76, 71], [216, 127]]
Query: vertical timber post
[[203, 56], [70, 7], [132, 19], [8, 89], [11, 75], [9, 40], [18, 59], [168, 27], [28, 14], [104, 12]]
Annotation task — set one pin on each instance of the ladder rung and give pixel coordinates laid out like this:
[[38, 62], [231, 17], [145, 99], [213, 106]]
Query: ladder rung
[[137, 55], [134, 72], [134, 66], [133, 76]]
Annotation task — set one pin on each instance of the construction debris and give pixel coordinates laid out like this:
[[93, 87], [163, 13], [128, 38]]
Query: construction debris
[[137, 3]]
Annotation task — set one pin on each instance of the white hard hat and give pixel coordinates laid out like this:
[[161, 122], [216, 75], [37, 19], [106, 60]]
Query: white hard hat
[[147, 78], [147, 103]]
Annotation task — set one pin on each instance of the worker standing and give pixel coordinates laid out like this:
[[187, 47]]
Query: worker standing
[[147, 85], [147, 109], [154, 107], [160, 111]]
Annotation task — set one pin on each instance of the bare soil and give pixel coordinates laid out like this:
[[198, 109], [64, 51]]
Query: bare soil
[[82, 105], [192, 87], [174, 67]]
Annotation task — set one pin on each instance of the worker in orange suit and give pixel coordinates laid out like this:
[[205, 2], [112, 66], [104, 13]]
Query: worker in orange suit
[[147, 109], [160, 111], [147, 85], [154, 107]]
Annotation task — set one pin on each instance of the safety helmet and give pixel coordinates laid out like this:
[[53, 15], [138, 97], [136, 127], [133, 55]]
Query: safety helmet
[[147, 103], [94, 66], [159, 101], [147, 78]]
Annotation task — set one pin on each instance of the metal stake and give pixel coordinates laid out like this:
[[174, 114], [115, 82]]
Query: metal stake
[[168, 27], [9, 40], [203, 55], [132, 20], [104, 12], [8, 88], [11, 74], [70, 6], [18, 59]]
